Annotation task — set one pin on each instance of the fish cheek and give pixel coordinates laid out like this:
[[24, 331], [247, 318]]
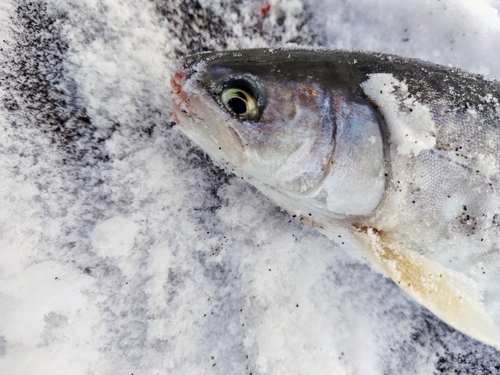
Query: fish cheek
[[286, 100], [281, 108], [293, 141], [268, 135]]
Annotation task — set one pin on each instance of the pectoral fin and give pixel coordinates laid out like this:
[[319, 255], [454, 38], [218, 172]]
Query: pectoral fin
[[448, 294]]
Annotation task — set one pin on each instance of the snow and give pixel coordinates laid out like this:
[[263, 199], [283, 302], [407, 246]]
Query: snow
[[124, 250], [402, 125]]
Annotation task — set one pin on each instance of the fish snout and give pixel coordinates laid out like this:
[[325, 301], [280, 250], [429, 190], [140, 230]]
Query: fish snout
[[180, 96], [177, 81]]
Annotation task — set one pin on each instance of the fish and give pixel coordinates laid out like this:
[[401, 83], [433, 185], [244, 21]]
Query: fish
[[398, 157]]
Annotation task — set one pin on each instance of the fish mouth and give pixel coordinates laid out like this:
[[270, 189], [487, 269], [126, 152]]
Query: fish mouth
[[177, 81], [180, 97], [201, 118]]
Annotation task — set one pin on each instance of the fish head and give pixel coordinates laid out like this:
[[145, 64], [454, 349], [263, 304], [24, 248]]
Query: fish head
[[279, 131], [280, 124]]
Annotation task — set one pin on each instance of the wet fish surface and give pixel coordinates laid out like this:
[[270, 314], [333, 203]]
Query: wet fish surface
[[400, 158]]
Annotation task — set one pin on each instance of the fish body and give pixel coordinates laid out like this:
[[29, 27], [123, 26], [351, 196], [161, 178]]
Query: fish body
[[399, 157]]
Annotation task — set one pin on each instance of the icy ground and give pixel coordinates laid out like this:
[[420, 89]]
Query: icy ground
[[123, 250]]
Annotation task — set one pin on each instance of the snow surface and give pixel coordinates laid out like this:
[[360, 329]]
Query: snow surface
[[123, 250]]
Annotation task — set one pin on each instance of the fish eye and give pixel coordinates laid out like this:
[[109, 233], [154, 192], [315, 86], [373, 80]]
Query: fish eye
[[240, 102], [243, 98]]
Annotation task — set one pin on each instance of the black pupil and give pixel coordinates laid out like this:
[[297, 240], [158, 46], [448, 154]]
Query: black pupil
[[237, 105]]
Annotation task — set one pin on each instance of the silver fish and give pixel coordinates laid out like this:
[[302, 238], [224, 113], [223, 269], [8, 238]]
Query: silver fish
[[398, 156]]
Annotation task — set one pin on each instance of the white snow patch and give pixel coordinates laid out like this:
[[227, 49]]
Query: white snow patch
[[114, 237], [411, 127], [349, 320]]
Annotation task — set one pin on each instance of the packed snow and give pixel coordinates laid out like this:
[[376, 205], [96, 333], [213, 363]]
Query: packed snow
[[124, 250]]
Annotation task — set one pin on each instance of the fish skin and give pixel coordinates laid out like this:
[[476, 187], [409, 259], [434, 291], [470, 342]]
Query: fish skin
[[399, 156]]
